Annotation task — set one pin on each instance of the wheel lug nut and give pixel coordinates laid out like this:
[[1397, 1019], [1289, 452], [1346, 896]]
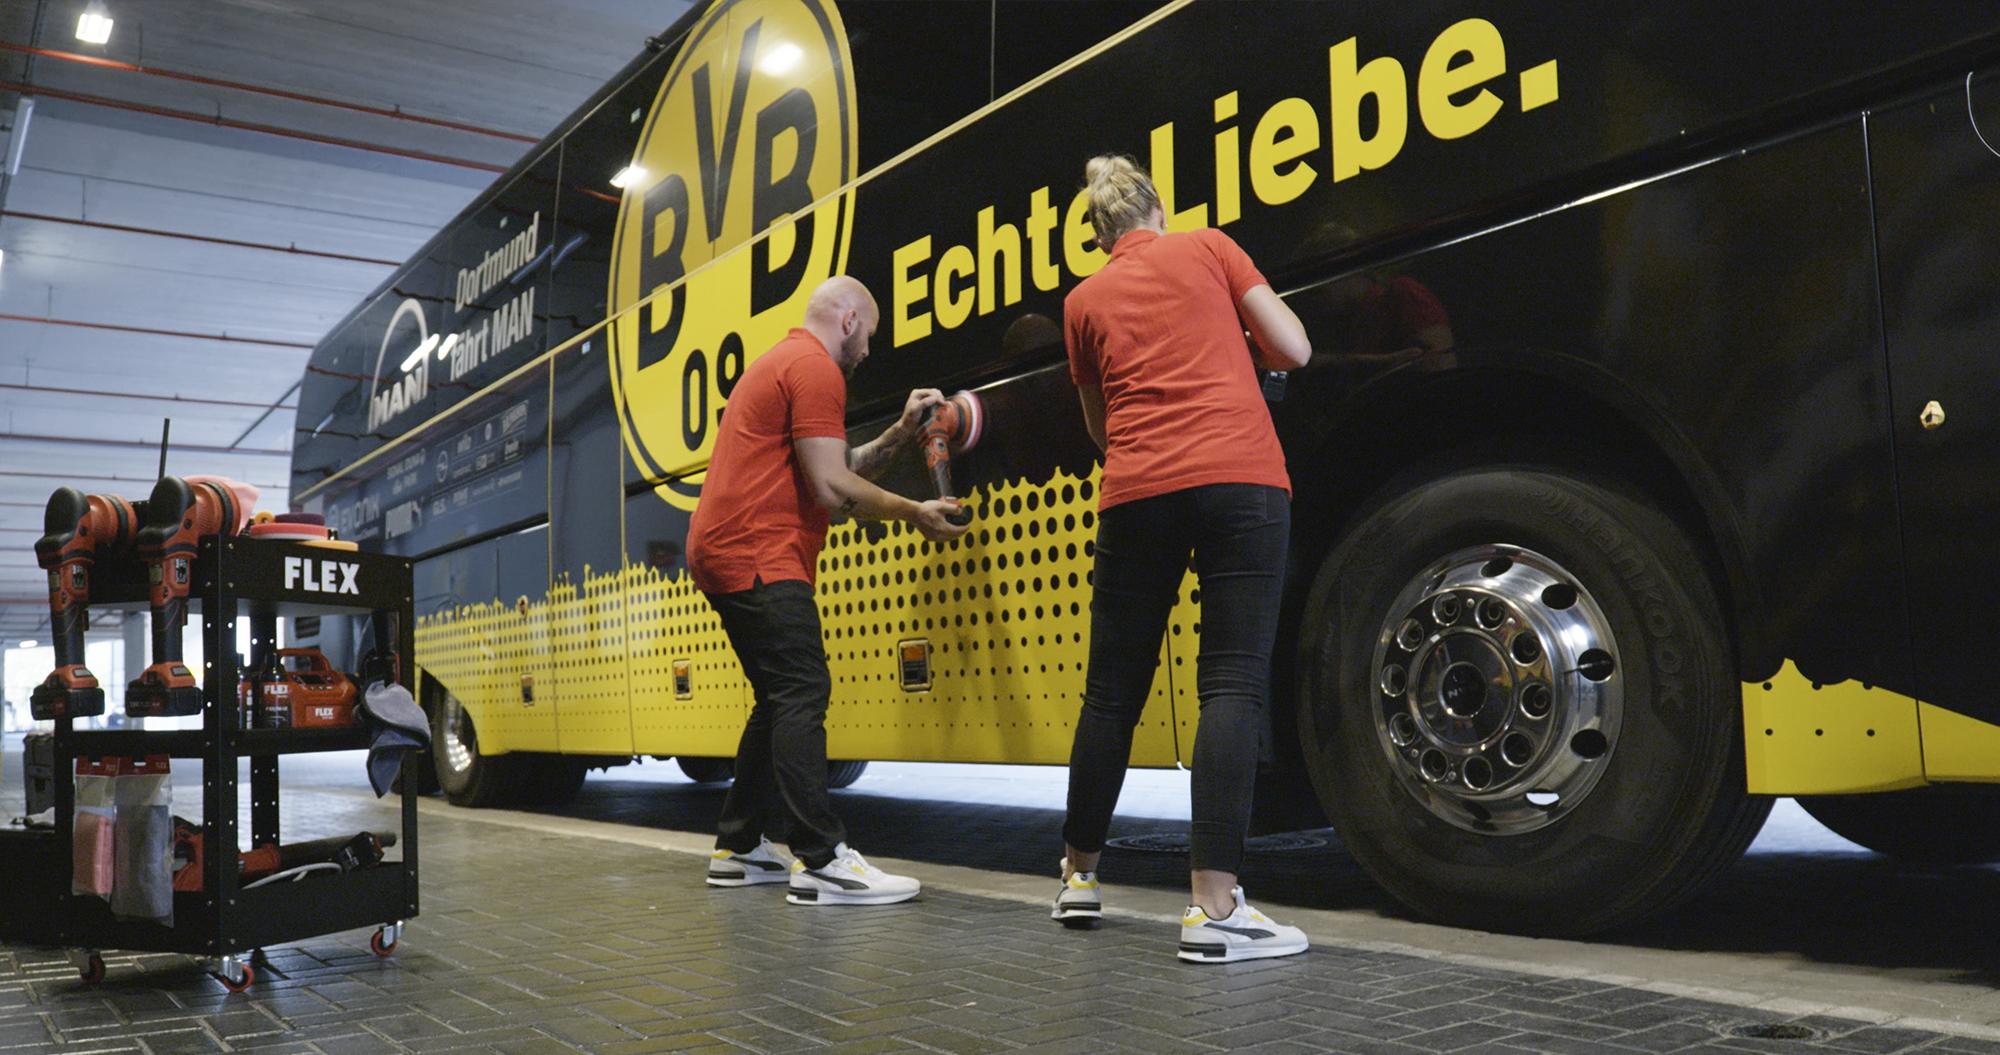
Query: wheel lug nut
[[1446, 609]]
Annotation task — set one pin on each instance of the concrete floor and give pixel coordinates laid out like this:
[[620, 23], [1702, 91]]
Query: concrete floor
[[552, 922]]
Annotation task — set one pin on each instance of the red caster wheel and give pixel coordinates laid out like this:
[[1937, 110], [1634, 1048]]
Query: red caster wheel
[[385, 939], [240, 981], [92, 970]]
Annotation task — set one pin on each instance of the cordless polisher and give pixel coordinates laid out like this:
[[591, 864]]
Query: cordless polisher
[[951, 428], [79, 528], [179, 515]]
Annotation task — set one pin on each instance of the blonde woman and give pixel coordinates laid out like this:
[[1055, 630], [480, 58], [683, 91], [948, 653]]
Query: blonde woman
[[1192, 466]]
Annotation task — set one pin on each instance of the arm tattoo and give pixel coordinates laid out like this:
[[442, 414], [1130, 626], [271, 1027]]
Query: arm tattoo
[[847, 508], [871, 459]]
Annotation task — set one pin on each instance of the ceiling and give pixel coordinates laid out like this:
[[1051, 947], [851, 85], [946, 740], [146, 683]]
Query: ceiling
[[128, 294]]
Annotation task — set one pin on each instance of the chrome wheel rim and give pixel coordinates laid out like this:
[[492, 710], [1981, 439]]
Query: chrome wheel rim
[[460, 742], [1497, 689]]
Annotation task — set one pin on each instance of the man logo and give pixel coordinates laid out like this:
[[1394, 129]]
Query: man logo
[[412, 369], [754, 128]]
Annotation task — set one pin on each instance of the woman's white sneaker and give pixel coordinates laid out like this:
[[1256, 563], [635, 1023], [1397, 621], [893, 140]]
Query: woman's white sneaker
[[765, 864], [1079, 904], [848, 879], [1246, 935]]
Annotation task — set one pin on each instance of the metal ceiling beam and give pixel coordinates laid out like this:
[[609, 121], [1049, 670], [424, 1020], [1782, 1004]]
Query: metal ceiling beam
[[147, 480], [247, 126], [95, 441], [107, 394], [191, 237], [395, 113], [153, 332]]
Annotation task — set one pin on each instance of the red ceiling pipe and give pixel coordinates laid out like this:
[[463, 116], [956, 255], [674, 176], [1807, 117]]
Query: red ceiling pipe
[[143, 396], [149, 331], [185, 236], [395, 113], [247, 126]]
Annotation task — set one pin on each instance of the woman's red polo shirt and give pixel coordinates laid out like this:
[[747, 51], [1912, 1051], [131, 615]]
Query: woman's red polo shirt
[[1159, 331]]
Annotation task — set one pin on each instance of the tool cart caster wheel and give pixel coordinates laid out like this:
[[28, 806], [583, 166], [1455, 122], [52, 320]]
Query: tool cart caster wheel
[[240, 982], [382, 944], [92, 970]]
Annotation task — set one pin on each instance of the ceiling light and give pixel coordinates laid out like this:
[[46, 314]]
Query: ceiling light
[[30, 643], [781, 60], [3, 258], [628, 176], [17, 135], [410, 361], [93, 26]]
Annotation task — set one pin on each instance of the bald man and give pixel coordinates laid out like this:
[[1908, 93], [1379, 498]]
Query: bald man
[[781, 466]]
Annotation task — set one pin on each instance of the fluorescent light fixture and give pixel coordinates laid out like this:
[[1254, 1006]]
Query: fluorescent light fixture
[[449, 343], [93, 26], [628, 177], [410, 361], [30, 644], [782, 59], [17, 135], [3, 258]]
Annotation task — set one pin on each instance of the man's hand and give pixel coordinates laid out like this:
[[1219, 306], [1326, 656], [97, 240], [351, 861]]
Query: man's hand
[[870, 460], [920, 400], [930, 521]]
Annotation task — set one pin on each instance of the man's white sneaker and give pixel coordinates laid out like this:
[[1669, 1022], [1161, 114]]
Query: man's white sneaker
[[1079, 905], [1246, 935], [765, 864], [848, 879]]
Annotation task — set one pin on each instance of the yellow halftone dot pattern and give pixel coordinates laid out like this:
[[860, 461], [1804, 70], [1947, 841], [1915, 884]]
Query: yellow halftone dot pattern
[[671, 620], [586, 666], [479, 653], [1006, 610]]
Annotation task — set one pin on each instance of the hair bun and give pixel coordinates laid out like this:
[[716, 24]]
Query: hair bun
[[1122, 196]]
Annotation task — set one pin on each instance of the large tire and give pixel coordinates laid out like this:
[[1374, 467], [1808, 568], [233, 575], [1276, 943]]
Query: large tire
[[707, 770], [467, 777], [1948, 824], [844, 774], [1649, 810]]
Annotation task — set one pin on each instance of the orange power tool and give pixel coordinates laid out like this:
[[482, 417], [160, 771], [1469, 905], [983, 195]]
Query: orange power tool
[[952, 427], [179, 515], [78, 528]]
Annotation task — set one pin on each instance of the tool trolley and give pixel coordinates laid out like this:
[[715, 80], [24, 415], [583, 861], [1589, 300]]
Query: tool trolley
[[226, 923]]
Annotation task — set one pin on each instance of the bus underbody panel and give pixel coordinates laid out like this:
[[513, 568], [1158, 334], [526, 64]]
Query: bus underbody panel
[[1806, 738]]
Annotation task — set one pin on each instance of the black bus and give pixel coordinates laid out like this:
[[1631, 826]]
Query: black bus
[[1636, 470]]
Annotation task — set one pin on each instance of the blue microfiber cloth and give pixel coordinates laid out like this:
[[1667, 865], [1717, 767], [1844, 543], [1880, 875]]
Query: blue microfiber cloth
[[399, 726]]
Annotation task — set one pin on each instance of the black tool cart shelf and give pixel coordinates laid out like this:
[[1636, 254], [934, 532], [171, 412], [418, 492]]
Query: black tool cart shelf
[[240, 577]]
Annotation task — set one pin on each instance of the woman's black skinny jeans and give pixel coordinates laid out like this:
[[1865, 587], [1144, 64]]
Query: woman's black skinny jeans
[[1238, 535]]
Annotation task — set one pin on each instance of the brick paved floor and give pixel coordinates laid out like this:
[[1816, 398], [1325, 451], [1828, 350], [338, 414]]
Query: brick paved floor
[[538, 942]]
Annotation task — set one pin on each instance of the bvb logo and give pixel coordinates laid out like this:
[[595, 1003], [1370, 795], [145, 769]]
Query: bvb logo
[[754, 123]]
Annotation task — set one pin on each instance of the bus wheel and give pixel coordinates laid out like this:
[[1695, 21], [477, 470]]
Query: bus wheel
[[467, 777], [844, 774], [707, 770], [1518, 704], [1947, 824]]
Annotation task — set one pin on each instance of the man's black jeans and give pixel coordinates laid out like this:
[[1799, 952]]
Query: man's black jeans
[[781, 761], [1238, 535]]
